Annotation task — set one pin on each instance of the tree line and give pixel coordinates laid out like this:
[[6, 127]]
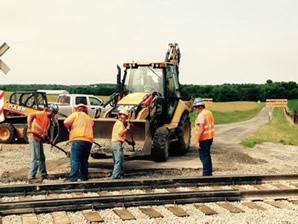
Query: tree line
[[244, 92], [219, 93]]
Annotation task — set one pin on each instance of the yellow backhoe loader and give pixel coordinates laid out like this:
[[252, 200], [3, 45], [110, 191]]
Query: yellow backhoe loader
[[150, 91]]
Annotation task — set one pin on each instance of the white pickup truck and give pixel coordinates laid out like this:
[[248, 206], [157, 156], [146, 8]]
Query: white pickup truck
[[67, 102]]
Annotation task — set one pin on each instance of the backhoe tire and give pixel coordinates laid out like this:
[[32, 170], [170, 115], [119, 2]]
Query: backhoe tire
[[183, 132], [160, 146], [7, 133]]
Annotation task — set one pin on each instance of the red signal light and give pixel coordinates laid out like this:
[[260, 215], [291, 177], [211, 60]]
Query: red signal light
[[126, 65], [162, 65]]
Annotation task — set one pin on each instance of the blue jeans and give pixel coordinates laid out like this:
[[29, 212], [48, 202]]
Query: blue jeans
[[118, 158], [80, 151], [205, 157], [38, 159]]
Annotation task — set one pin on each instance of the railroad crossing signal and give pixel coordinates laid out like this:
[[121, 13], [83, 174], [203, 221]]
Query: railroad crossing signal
[[3, 66]]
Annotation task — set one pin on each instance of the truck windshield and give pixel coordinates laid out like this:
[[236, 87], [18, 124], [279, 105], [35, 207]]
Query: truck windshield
[[144, 79]]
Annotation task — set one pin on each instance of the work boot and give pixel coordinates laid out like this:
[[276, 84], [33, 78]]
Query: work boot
[[45, 177], [34, 181], [31, 180]]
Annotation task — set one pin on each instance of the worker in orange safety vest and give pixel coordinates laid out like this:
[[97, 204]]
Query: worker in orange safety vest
[[38, 127], [80, 127], [204, 134]]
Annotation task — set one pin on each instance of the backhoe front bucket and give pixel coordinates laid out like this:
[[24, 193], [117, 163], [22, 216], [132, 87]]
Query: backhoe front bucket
[[139, 133]]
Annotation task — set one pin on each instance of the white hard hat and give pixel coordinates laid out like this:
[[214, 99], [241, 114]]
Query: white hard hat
[[198, 102], [80, 105], [124, 111]]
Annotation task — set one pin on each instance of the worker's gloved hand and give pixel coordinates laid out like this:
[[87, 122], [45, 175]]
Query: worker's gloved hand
[[132, 143], [128, 125]]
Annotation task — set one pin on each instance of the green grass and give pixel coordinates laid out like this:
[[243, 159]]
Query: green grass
[[292, 104], [231, 116], [278, 131]]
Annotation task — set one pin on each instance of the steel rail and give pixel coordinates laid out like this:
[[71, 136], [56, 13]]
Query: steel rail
[[126, 184], [276, 194], [129, 200], [104, 202]]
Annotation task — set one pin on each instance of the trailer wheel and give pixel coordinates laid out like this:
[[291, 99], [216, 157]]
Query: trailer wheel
[[183, 132], [7, 133], [160, 146]]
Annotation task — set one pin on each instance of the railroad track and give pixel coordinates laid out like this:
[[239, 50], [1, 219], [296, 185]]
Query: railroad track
[[48, 198]]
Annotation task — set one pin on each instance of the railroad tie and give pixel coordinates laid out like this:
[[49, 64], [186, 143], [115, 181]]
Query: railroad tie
[[60, 218], [240, 188], [172, 190], [194, 188], [294, 184], [253, 205], [93, 216], [152, 213], [178, 211], [261, 187], [295, 202], [29, 219], [216, 188], [124, 214], [77, 194], [280, 185], [206, 209], [276, 204], [231, 208], [103, 193], [25, 198], [123, 192], [52, 196], [149, 190]]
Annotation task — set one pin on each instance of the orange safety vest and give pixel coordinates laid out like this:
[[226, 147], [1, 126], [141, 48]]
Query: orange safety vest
[[40, 125], [81, 127], [118, 128], [209, 130]]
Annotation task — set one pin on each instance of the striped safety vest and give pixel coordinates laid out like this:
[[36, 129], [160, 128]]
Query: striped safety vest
[[82, 127], [209, 130], [40, 125]]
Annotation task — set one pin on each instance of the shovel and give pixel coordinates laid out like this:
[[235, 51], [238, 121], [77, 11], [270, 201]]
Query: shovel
[[57, 147]]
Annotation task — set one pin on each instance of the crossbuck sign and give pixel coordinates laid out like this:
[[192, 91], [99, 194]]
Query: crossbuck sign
[[3, 67]]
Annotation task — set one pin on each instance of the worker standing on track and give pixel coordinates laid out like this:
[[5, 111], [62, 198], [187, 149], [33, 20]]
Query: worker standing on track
[[204, 134], [120, 129], [38, 127], [80, 126]]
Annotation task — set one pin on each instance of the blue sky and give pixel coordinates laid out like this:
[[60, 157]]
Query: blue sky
[[80, 42]]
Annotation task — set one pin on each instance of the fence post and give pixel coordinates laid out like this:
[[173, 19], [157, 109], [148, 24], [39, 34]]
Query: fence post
[[295, 116]]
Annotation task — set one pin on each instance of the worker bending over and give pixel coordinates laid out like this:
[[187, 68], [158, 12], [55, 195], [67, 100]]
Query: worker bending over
[[80, 126], [38, 127], [204, 134]]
